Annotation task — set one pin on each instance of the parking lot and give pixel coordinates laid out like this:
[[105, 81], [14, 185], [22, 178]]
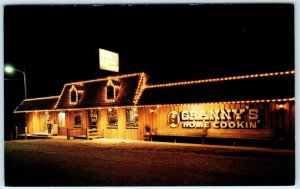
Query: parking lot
[[102, 162]]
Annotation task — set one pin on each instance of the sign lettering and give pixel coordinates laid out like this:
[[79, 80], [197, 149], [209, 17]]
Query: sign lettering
[[216, 119]]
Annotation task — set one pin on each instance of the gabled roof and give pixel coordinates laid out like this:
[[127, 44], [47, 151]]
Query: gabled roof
[[46, 103], [134, 91], [94, 92], [237, 88]]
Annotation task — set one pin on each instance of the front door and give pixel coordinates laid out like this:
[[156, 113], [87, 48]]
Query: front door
[[61, 130], [93, 119]]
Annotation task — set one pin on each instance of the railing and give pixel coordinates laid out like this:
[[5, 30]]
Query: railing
[[75, 132], [21, 131], [84, 133]]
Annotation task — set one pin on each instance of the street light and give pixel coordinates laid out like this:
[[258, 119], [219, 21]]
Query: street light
[[10, 70]]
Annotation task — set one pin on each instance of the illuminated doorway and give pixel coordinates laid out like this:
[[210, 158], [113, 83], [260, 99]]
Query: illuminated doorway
[[62, 119], [93, 119]]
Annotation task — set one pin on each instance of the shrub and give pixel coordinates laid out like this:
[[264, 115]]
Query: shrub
[[147, 128]]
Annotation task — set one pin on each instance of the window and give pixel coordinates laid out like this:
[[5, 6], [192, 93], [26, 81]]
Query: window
[[73, 97], [77, 119], [75, 94], [131, 118], [112, 90], [112, 118]]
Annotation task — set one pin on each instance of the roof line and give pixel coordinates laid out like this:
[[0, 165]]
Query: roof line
[[105, 78], [94, 80], [280, 100], [221, 79], [41, 98]]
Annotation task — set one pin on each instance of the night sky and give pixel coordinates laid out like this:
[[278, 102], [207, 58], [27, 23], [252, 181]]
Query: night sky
[[59, 44]]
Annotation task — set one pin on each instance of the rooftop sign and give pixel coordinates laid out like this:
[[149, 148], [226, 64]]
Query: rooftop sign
[[108, 60]]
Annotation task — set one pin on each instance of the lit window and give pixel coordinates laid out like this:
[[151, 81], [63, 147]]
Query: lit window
[[131, 118], [113, 118], [77, 119]]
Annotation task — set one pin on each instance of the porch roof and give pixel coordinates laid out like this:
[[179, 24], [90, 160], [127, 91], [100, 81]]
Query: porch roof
[[34, 104]]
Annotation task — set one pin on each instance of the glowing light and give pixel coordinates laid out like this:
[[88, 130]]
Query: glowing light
[[280, 106], [221, 79], [41, 98], [96, 80], [154, 106], [73, 88], [152, 110], [116, 88], [9, 69], [105, 79], [140, 88], [142, 85]]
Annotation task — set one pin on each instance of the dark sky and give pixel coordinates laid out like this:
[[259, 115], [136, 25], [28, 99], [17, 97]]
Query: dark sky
[[58, 44]]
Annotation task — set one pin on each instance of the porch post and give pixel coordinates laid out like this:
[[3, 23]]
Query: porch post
[[25, 132], [26, 122], [16, 133], [68, 134], [87, 134]]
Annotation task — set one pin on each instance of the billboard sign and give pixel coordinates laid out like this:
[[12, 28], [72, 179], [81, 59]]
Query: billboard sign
[[108, 60]]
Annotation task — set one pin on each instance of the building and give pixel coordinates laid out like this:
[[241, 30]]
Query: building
[[251, 107]]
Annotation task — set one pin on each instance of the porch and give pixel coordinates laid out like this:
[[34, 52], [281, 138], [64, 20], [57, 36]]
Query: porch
[[78, 133], [81, 133]]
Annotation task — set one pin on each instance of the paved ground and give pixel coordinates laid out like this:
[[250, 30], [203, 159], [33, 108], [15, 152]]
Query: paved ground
[[60, 162]]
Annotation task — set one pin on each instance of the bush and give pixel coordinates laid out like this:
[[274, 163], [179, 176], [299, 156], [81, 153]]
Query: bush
[[147, 128]]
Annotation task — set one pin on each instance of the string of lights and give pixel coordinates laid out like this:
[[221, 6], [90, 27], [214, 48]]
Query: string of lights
[[140, 88], [280, 100], [221, 79], [40, 98], [142, 85], [96, 80]]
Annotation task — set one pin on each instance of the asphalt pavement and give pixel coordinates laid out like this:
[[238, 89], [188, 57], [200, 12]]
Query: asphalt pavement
[[109, 162]]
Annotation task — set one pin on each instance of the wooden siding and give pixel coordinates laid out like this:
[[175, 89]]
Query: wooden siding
[[36, 121], [62, 131], [70, 119], [121, 132], [282, 121]]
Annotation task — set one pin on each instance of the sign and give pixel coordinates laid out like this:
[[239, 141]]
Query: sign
[[216, 119], [108, 60], [173, 119]]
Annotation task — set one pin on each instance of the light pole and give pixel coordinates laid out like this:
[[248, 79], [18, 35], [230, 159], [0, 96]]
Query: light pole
[[10, 70]]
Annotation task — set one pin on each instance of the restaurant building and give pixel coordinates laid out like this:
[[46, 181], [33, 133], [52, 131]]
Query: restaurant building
[[255, 107]]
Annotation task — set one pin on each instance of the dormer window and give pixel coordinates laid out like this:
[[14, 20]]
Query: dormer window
[[112, 90], [75, 95]]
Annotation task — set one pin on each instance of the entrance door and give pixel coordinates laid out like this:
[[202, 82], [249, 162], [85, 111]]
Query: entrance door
[[62, 123], [93, 119]]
